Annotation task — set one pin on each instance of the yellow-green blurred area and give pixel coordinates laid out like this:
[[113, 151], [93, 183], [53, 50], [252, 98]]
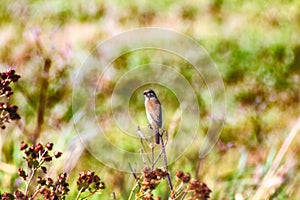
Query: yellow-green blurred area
[[254, 44]]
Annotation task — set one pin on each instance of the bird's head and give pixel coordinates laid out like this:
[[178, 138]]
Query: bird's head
[[149, 94]]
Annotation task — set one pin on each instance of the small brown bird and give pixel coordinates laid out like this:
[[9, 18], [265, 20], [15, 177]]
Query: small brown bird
[[153, 112]]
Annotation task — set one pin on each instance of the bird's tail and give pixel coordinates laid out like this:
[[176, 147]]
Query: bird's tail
[[157, 137]]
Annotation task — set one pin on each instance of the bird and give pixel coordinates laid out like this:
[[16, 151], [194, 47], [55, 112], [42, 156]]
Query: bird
[[153, 112]]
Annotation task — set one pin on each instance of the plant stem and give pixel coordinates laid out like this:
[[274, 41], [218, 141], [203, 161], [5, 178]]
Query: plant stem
[[114, 196], [132, 190], [29, 181], [198, 168], [152, 159], [42, 99], [35, 193], [183, 196], [166, 162], [79, 193]]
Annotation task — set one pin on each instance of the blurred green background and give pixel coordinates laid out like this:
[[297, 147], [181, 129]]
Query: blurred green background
[[255, 45]]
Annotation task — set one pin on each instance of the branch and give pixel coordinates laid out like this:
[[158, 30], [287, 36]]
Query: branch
[[165, 158], [29, 181]]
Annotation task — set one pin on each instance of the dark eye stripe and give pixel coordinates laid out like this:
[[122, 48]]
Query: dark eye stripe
[[149, 93]]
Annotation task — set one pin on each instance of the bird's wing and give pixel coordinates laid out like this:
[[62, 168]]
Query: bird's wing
[[156, 115]]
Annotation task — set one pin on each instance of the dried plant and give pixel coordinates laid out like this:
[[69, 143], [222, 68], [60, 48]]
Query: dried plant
[[184, 187], [38, 185], [89, 182], [36, 156], [147, 182], [41, 186], [7, 112], [187, 188]]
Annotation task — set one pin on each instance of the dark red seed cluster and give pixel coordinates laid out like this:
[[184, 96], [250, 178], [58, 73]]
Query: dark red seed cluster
[[195, 189], [20, 195], [54, 190], [152, 177], [89, 181], [185, 178], [23, 146], [200, 190], [57, 154], [6, 78], [46, 187], [22, 173], [36, 154], [49, 146], [7, 196], [8, 112], [149, 180]]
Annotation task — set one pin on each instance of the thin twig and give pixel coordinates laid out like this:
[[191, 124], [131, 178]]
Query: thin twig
[[114, 196], [132, 172], [183, 196], [144, 151], [29, 181], [165, 160], [89, 195], [136, 182], [152, 159], [35, 193], [165, 143], [79, 193], [33, 171], [133, 189], [157, 158], [143, 159], [142, 137], [181, 191]]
